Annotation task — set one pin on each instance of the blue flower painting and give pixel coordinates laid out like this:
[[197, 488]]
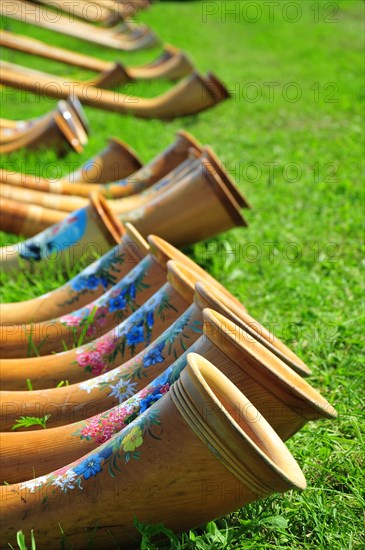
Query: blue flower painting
[[135, 335], [154, 356], [117, 303], [89, 467]]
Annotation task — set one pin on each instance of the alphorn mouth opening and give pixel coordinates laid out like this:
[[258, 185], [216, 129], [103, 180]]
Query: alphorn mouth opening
[[260, 363], [164, 251], [183, 285], [210, 297], [109, 224], [189, 139], [233, 429], [137, 238], [75, 103], [217, 88], [130, 155], [232, 187], [224, 195], [73, 121]]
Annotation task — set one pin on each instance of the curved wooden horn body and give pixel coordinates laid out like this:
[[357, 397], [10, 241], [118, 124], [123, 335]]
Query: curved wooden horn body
[[67, 203], [156, 357], [113, 37], [12, 129], [279, 394], [106, 165], [116, 161], [172, 64], [89, 321], [83, 288], [55, 132], [81, 234], [190, 96], [106, 352], [195, 208], [85, 10], [203, 431]]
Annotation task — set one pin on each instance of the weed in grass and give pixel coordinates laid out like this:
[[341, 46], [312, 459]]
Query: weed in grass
[[29, 421]]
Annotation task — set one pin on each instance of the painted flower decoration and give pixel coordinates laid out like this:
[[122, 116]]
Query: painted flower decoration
[[122, 390], [89, 385], [132, 291], [78, 283], [153, 397], [106, 345], [135, 335], [124, 440], [133, 439], [91, 362], [150, 319], [92, 282], [89, 467], [117, 303], [122, 183], [154, 356], [34, 484], [94, 358], [66, 481], [70, 320], [56, 238], [97, 274]]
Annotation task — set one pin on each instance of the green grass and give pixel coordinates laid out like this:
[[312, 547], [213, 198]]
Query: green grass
[[299, 266]]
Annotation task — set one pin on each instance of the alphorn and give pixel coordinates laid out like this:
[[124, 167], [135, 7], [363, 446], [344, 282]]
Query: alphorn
[[46, 372], [96, 317], [43, 17], [90, 321], [97, 13], [190, 96], [83, 288], [125, 4], [107, 79], [124, 9], [104, 168], [282, 397], [124, 341], [78, 401], [203, 430], [92, 282], [121, 206], [46, 132], [71, 111], [119, 20], [87, 232], [117, 160], [194, 209], [54, 133], [173, 64]]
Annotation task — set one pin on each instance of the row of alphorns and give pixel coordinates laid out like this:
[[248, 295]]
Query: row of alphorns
[[124, 35], [152, 413], [183, 194], [195, 93], [172, 64]]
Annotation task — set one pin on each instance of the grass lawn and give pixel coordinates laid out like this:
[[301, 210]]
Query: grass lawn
[[292, 136]]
